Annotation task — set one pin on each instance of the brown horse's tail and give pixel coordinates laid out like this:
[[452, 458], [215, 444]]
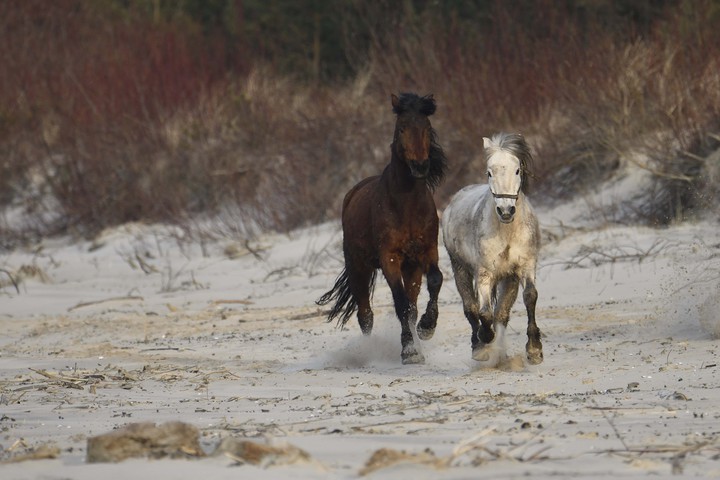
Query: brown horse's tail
[[345, 303]]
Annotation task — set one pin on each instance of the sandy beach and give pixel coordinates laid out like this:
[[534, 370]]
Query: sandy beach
[[143, 325]]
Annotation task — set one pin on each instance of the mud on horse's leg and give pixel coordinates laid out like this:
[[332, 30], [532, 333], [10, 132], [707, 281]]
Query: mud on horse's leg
[[428, 321]]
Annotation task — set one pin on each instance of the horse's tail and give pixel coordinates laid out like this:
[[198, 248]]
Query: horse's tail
[[345, 303]]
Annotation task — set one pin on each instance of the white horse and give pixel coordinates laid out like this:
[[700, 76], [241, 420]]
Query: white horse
[[492, 236]]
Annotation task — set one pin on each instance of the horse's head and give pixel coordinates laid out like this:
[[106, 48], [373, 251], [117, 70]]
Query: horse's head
[[413, 139], [507, 162]]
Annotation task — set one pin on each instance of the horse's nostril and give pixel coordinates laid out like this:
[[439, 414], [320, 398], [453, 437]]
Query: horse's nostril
[[499, 212], [512, 210]]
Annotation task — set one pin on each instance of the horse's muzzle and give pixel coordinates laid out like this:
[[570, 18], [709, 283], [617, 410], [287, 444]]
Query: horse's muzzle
[[419, 169], [506, 215]]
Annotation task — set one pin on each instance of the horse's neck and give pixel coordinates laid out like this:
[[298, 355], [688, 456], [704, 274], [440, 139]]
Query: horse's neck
[[398, 178]]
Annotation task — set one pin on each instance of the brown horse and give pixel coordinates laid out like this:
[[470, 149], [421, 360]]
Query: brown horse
[[390, 222]]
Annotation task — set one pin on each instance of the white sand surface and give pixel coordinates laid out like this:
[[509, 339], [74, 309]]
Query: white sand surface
[[144, 325]]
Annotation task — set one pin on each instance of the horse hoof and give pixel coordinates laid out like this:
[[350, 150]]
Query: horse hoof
[[413, 358], [489, 355], [481, 354], [425, 333], [535, 357], [426, 326], [366, 325]]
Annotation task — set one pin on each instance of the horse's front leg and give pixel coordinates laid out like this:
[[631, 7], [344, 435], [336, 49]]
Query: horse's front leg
[[405, 310], [465, 283], [507, 291], [428, 321], [490, 348], [533, 346]]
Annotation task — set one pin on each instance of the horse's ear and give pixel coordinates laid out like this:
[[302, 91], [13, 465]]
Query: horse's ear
[[486, 142], [428, 105], [395, 101]]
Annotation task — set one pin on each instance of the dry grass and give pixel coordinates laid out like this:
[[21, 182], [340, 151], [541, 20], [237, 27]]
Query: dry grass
[[179, 133]]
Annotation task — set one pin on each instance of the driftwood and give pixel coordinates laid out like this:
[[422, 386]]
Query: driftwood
[[181, 440], [262, 455], [42, 452], [145, 440], [107, 300]]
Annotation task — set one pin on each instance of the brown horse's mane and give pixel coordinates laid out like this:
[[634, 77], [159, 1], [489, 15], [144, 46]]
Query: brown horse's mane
[[411, 103]]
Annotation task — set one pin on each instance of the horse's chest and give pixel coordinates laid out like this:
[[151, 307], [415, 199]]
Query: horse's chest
[[410, 243], [505, 256], [414, 246], [409, 233]]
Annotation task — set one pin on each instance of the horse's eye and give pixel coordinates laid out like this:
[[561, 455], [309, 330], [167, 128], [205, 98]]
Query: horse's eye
[[489, 174], [517, 172]]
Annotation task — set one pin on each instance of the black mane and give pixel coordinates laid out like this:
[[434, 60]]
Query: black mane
[[438, 163], [411, 102]]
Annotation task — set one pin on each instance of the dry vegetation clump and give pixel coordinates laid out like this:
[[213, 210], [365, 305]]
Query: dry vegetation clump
[[657, 98], [686, 183], [279, 153], [135, 120], [590, 95], [111, 114], [80, 95]]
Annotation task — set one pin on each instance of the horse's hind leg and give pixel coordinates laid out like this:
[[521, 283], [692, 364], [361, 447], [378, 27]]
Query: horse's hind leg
[[360, 282], [428, 321], [533, 346]]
